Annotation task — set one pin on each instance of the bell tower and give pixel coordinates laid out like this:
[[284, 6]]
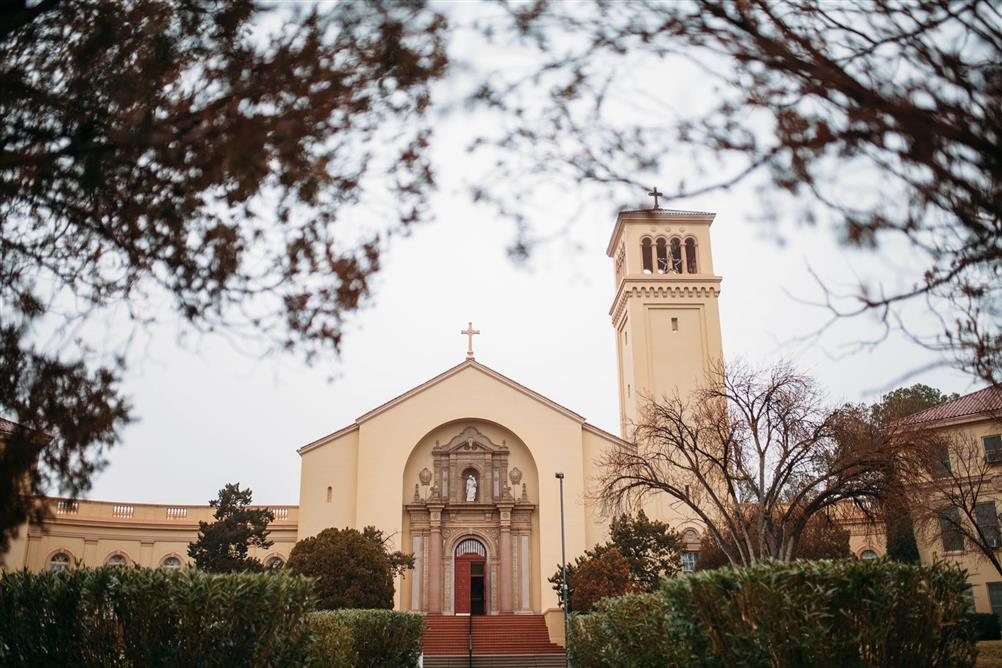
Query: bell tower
[[665, 310]]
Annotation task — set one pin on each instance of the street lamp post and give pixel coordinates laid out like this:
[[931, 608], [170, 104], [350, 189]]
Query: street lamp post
[[563, 566]]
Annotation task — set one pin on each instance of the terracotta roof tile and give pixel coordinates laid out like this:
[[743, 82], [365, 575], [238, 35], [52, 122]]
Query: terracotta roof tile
[[983, 401], [6, 426]]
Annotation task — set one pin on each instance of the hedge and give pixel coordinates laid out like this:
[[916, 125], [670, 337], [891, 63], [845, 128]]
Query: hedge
[[153, 617], [984, 625], [364, 638], [821, 613]]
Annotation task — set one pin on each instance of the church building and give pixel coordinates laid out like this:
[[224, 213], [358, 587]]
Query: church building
[[462, 467]]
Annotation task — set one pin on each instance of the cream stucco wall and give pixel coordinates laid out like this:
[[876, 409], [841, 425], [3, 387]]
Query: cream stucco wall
[[145, 534], [554, 439]]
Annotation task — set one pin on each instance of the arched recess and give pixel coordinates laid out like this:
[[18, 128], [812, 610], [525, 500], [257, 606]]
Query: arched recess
[[421, 480], [118, 558]]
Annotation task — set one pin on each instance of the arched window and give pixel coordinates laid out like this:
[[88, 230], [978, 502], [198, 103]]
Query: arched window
[[274, 563], [330, 493], [59, 562], [676, 256], [170, 563], [470, 546], [868, 554], [690, 536], [662, 256], [690, 255], [646, 256], [116, 560]]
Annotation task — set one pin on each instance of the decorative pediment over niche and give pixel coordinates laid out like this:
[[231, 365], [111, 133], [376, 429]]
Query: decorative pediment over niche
[[470, 440]]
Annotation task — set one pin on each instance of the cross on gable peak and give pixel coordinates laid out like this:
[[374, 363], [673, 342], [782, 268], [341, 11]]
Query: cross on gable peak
[[469, 332]]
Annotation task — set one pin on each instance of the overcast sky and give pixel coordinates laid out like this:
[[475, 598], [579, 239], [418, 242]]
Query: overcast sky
[[210, 414]]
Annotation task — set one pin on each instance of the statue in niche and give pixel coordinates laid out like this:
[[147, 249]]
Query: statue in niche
[[471, 488]]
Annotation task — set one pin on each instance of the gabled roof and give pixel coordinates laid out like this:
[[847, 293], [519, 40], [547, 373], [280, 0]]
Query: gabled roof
[[465, 364], [983, 401], [6, 426]]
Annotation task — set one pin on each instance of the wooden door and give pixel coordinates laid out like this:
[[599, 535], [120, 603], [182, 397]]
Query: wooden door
[[463, 584]]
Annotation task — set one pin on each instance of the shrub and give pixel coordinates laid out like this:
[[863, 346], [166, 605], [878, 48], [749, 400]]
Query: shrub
[[823, 613], [984, 626], [147, 617], [352, 569], [363, 638], [599, 577]]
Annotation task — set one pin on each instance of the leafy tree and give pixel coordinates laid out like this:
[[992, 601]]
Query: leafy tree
[[899, 525], [192, 160], [222, 546], [651, 548], [353, 569], [607, 574], [880, 121], [821, 539]]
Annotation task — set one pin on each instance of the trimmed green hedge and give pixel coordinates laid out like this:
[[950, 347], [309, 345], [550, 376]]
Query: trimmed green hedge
[[363, 638], [153, 617], [821, 613]]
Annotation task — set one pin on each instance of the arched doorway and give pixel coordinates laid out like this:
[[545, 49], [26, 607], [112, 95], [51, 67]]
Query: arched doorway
[[471, 577]]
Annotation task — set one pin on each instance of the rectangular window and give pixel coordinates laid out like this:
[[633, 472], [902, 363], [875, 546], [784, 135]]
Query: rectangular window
[[689, 561], [988, 523], [942, 463], [949, 521], [995, 598], [993, 448], [674, 324]]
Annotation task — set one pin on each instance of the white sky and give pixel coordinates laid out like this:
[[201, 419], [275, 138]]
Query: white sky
[[209, 414]]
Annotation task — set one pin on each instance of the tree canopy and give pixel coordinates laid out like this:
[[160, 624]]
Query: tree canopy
[[223, 546], [197, 161], [879, 121], [353, 569], [752, 456], [649, 549]]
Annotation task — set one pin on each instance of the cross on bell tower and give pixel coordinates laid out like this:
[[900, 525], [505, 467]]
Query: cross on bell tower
[[653, 192], [469, 332]]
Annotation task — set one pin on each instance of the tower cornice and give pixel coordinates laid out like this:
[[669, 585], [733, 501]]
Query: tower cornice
[[648, 287]]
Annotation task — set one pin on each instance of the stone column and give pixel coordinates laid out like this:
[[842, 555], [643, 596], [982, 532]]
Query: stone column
[[435, 561], [505, 548]]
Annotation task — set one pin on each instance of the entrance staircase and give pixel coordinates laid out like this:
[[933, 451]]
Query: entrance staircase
[[499, 641]]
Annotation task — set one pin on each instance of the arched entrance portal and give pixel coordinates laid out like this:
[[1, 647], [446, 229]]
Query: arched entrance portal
[[471, 577]]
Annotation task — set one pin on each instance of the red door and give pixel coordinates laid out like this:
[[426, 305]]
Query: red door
[[463, 584]]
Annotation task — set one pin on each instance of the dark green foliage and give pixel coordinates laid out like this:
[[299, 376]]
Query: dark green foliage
[[837, 614], [151, 618], [984, 626], [905, 401], [222, 546], [366, 638], [652, 549], [898, 525], [900, 532], [352, 569]]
